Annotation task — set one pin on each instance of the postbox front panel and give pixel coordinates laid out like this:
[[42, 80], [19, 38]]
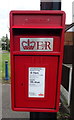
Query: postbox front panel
[[34, 76]]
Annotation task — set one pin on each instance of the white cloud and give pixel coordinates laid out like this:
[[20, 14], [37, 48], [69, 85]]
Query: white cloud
[[7, 5], [22, 4], [67, 7]]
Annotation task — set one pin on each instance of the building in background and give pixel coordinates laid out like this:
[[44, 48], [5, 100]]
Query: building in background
[[66, 86], [50, 4]]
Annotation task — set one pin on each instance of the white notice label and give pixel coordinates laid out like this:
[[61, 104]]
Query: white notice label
[[36, 82]]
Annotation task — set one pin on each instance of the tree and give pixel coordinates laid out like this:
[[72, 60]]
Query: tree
[[3, 39], [5, 43]]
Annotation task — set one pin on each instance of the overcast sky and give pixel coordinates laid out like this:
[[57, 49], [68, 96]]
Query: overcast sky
[[7, 5]]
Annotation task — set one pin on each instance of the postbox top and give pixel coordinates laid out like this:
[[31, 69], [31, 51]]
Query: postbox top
[[37, 19], [37, 12]]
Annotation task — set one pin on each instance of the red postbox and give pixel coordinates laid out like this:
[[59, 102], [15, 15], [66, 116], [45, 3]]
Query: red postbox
[[37, 40]]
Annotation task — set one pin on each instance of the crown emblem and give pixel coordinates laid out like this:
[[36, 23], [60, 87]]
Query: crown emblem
[[28, 45]]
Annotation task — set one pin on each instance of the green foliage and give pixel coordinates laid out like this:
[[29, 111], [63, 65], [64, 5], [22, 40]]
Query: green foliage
[[3, 39], [62, 115], [0, 43], [5, 43]]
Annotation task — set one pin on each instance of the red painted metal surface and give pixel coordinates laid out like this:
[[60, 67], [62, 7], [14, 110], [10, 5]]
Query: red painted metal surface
[[36, 24]]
